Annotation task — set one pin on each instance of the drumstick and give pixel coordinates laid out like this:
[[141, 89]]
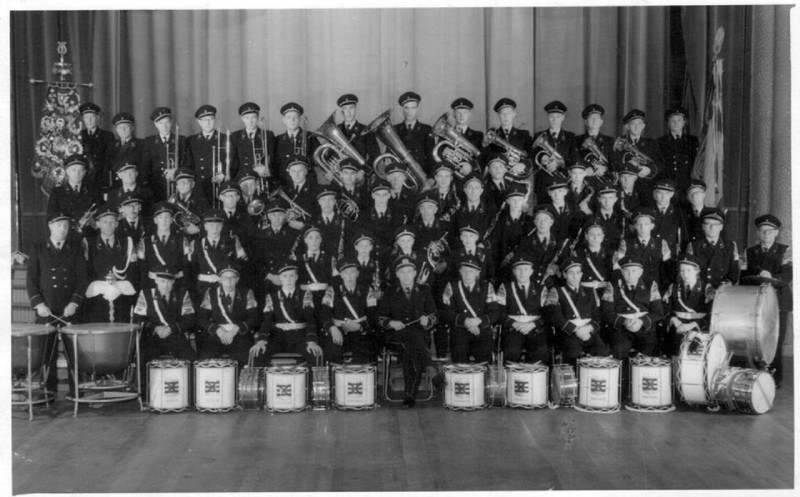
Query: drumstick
[[66, 323]]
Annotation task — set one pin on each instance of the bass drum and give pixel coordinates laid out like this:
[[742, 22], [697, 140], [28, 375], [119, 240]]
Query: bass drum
[[748, 318]]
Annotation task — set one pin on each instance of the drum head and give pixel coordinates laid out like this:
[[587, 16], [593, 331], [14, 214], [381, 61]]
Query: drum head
[[768, 320], [98, 328], [716, 355], [762, 391], [747, 316], [24, 329]]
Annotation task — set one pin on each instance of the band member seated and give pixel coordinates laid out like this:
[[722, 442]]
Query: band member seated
[[212, 251], [125, 149], [462, 114], [476, 211], [719, 258], [470, 307], [406, 315], [403, 199], [128, 175], [350, 188], [630, 195], [165, 245], [566, 221], [382, 220], [162, 153], [678, 148], [250, 150], [188, 198], [513, 230], [314, 264], [687, 303], [592, 116], [771, 262], [227, 318], [632, 307], [294, 144], [207, 152], [370, 272], [694, 211], [333, 225], [56, 281], [75, 196], [113, 272], [560, 140], [347, 316], [634, 123], [574, 313], [470, 247], [596, 259], [288, 324], [93, 138], [300, 190], [367, 145], [609, 216], [648, 248], [667, 216], [416, 136], [506, 110], [580, 193], [521, 304], [131, 221], [497, 184], [275, 240], [167, 317]]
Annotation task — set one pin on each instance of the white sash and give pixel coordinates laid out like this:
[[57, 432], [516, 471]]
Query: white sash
[[222, 306], [157, 308], [625, 297], [594, 269], [683, 304], [464, 298], [156, 252], [516, 297], [348, 304], [310, 272], [571, 303], [208, 258], [283, 308]]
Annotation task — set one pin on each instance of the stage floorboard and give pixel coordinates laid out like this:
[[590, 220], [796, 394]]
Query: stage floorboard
[[119, 449]]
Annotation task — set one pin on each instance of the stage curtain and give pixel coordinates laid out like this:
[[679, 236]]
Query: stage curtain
[[756, 107], [138, 60]]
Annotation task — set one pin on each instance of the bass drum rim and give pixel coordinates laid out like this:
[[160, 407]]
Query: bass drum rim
[[732, 322]]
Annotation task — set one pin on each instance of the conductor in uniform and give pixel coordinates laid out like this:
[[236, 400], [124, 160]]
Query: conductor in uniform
[[416, 136]]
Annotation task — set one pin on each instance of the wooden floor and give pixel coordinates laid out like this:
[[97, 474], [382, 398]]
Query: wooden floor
[[429, 448]]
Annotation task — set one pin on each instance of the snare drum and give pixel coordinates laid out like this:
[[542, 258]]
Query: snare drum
[[354, 386], [215, 385], [746, 390], [465, 386], [748, 318], [168, 385], [526, 385], [563, 385], [599, 384], [252, 387], [286, 388], [701, 354], [651, 385]]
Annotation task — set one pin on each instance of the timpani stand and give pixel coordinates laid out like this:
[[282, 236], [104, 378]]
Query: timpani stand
[[101, 351], [32, 347]]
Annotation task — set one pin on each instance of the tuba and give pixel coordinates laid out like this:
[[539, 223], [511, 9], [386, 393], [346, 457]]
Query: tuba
[[547, 155], [328, 157], [415, 176], [595, 157], [454, 147], [631, 153], [512, 154]]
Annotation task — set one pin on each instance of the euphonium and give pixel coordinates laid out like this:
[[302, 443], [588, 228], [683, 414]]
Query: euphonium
[[415, 176], [329, 155], [454, 147], [595, 157], [184, 217], [547, 155], [512, 154], [631, 153]]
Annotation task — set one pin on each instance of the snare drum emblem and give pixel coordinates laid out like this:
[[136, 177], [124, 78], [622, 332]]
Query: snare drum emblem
[[212, 386], [649, 383], [598, 385], [283, 390], [171, 387], [355, 389], [521, 386], [461, 388]]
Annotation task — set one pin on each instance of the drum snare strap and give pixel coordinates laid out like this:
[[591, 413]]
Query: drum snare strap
[[283, 309]]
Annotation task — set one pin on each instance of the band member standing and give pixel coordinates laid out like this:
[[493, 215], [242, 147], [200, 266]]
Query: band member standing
[[227, 318], [383, 221], [472, 248], [667, 215], [165, 246], [497, 184], [56, 281], [128, 175], [127, 149], [333, 225], [75, 196], [542, 246], [367, 145], [250, 149], [630, 194], [632, 307], [251, 195], [237, 221], [406, 314], [300, 188], [513, 227], [678, 148], [634, 122], [772, 261], [694, 211], [580, 192], [94, 139], [476, 211], [521, 303], [462, 114], [296, 143], [189, 198], [609, 216], [593, 120], [560, 139], [416, 136], [370, 272], [687, 303], [403, 199], [288, 324], [574, 313], [404, 240], [163, 153], [350, 189], [520, 139], [566, 221], [719, 258], [207, 152], [347, 316], [113, 273]]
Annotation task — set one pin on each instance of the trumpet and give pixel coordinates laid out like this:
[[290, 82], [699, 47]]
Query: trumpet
[[261, 157], [454, 147], [547, 156], [172, 160], [295, 212], [301, 147], [512, 154], [595, 157], [633, 154], [184, 217], [87, 216], [415, 175], [216, 161]]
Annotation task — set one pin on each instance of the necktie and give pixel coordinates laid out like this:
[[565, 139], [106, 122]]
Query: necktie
[[410, 127], [77, 188], [164, 139], [57, 245], [544, 242], [289, 295], [228, 300], [407, 291], [524, 290], [108, 242]]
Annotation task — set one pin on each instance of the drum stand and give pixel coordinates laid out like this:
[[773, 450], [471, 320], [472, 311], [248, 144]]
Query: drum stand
[[27, 389], [104, 394]]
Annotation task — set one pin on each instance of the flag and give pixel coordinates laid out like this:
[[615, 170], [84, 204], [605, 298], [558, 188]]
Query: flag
[[709, 164]]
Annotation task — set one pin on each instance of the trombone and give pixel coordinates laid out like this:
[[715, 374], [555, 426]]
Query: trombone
[[261, 157], [216, 161], [172, 161]]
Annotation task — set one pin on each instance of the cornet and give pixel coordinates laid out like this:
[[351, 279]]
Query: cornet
[[295, 212], [184, 217], [415, 176], [632, 154], [173, 159], [454, 147], [595, 157], [435, 250], [512, 154], [547, 156]]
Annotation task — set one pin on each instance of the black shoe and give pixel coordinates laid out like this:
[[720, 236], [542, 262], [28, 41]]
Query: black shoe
[[409, 402], [439, 382]]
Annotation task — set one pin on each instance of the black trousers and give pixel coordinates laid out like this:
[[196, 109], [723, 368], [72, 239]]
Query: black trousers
[[360, 344], [463, 344], [573, 347], [642, 341], [238, 350], [415, 355], [280, 342], [534, 343]]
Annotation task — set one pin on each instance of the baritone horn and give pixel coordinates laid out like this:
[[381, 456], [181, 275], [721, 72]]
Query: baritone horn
[[512, 154], [337, 148], [595, 157], [454, 147], [397, 151], [548, 159], [634, 155]]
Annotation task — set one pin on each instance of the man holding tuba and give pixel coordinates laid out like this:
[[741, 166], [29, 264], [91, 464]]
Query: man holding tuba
[[416, 136], [462, 113], [367, 145]]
